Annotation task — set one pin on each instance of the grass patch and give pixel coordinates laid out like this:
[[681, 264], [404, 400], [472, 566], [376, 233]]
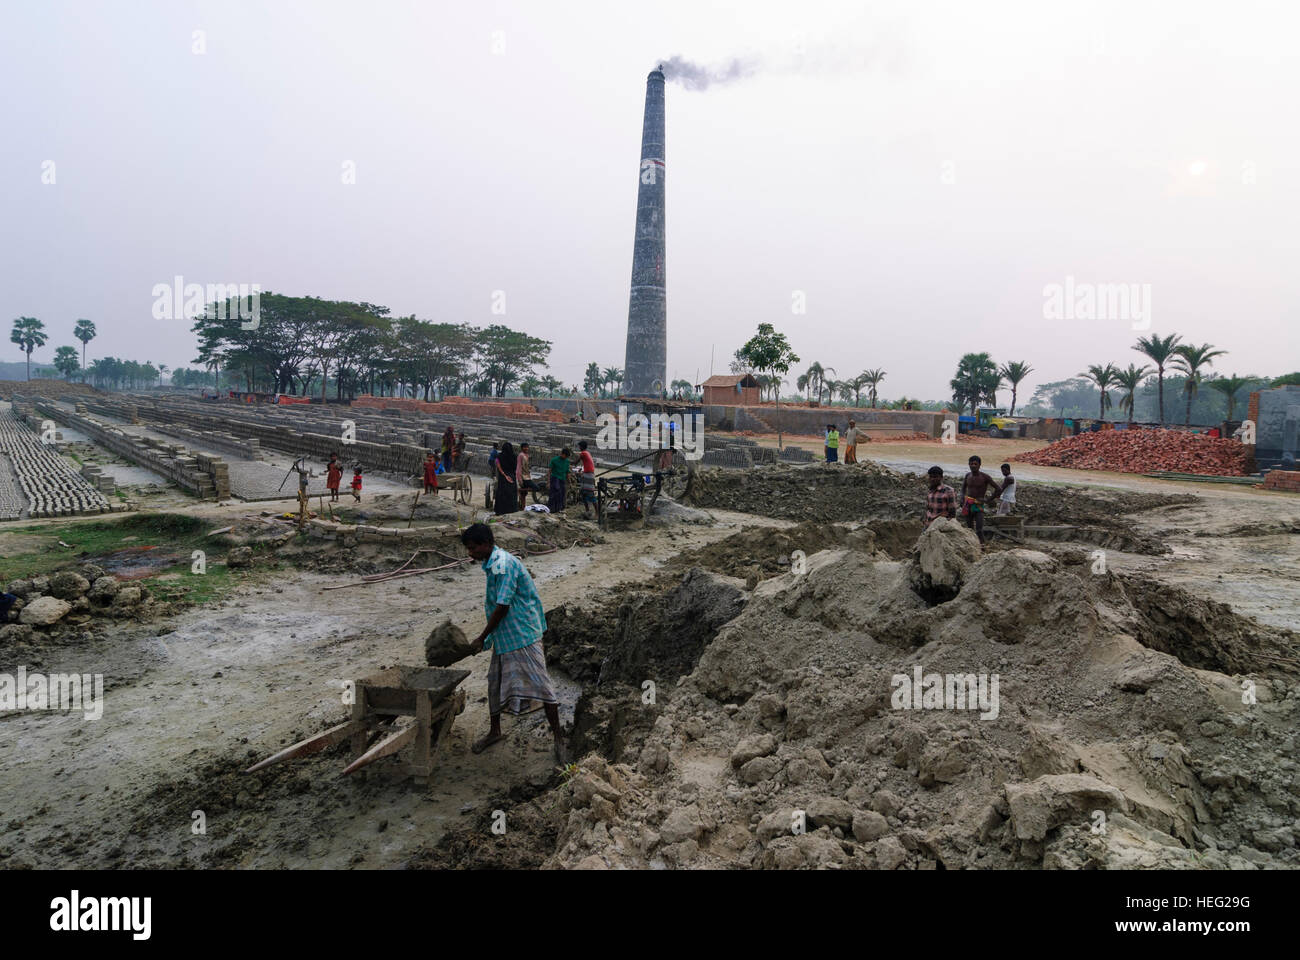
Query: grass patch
[[193, 589], [171, 532]]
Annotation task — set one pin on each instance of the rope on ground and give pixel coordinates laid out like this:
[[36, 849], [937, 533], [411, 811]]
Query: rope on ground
[[399, 573]]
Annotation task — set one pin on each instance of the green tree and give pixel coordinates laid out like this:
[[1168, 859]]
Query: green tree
[[1189, 361], [872, 380], [591, 381], [65, 361], [976, 382], [1103, 377], [1128, 381], [28, 333], [1013, 373], [509, 355], [769, 352], [85, 332], [814, 378], [1159, 349], [1230, 387]]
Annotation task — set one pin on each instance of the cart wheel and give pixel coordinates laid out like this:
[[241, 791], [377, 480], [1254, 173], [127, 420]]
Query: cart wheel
[[465, 492]]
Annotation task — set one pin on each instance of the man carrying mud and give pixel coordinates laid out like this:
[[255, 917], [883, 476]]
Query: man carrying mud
[[941, 501], [517, 674], [974, 492], [851, 443]]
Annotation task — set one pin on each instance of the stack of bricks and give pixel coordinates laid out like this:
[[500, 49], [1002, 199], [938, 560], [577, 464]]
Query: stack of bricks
[[199, 473], [1288, 480], [463, 407]]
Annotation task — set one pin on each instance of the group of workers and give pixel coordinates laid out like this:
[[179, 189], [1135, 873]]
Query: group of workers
[[978, 489], [512, 474], [850, 439]]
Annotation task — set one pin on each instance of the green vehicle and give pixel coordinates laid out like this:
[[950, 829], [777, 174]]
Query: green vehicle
[[996, 422]]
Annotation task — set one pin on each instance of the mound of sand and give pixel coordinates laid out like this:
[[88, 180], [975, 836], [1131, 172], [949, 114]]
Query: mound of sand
[[1040, 716]]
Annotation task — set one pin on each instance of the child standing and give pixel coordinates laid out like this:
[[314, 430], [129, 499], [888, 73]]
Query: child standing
[[356, 484], [430, 473], [333, 476]]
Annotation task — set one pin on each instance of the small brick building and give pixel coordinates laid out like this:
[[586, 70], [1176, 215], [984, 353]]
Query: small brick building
[[731, 390]]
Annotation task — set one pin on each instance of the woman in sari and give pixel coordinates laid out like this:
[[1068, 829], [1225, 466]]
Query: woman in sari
[[507, 500]]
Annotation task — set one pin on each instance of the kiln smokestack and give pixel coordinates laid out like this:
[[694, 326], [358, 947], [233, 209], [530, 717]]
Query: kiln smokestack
[[646, 363]]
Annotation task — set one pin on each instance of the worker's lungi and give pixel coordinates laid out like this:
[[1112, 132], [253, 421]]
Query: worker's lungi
[[557, 494], [517, 677], [588, 488], [851, 453]]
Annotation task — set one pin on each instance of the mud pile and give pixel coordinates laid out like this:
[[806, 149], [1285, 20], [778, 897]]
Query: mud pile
[[893, 503], [1032, 714], [819, 492]]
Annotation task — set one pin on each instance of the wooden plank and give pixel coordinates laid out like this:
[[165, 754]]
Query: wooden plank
[[314, 744], [423, 717], [383, 748]]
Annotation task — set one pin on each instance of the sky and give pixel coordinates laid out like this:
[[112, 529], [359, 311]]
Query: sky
[[916, 176]]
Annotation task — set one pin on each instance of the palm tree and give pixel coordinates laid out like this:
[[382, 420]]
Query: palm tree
[[1103, 377], [976, 382], [591, 381], [28, 333], [824, 384], [1159, 349], [848, 390], [815, 378], [1129, 380], [1013, 373], [65, 361], [85, 332], [872, 380], [1189, 361], [1229, 387], [611, 375]]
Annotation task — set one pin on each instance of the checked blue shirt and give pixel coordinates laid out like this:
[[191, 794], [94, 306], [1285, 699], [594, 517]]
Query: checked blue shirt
[[509, 583]]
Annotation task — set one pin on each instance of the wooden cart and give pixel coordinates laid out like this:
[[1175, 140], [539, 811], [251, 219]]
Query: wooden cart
[[1011, 527], [460, 484], [426, 694]]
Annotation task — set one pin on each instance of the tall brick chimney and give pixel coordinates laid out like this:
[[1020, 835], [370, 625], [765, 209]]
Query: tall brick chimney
[[645, 368]]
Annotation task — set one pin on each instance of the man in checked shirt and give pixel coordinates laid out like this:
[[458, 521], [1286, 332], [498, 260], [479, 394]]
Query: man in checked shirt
[[941, 501]]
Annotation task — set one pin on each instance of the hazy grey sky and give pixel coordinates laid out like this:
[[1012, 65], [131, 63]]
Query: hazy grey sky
[[920, 172]]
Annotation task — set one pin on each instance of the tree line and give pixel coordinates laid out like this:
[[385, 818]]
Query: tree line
[[299, 342], [1140, 389]]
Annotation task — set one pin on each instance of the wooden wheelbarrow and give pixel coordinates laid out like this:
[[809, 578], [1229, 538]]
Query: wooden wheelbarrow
[[1008, 526], [460, 484], [427, 694]]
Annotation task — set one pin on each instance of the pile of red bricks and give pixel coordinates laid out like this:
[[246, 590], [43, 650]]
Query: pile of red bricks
[[1288, 480], [462, 407], [1144, 451]]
